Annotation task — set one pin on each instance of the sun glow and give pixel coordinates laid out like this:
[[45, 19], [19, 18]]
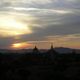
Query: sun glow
[[20, 45], [17, 45], [13, 27]]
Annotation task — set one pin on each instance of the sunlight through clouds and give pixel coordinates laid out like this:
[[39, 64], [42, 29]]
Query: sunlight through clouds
[[10, 26], [20, 45], [40, 22]]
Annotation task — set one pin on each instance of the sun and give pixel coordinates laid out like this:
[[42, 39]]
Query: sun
[[12, 27]]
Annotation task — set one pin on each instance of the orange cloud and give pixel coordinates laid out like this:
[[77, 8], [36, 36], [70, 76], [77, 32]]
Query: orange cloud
[[20, 45]]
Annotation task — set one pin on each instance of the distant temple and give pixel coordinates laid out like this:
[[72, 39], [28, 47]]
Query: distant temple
[[35, 50], [52, 50], [52, 53]]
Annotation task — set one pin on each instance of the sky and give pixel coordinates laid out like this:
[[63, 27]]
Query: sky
[[26, 23]]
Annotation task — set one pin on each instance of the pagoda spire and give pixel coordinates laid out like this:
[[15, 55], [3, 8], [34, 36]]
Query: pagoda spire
[[35, 50], [51, 45], [52, 50], [52, 53]]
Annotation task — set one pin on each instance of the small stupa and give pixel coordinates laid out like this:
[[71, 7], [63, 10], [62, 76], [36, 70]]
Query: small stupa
[[52, 50], [35, 50]]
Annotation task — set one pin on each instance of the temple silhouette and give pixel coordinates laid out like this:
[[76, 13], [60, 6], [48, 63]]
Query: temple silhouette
[[50, 51], [36, 50], [37, 65]]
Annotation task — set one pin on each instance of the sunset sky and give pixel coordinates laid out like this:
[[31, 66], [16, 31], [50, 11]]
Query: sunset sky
[[26, 23]]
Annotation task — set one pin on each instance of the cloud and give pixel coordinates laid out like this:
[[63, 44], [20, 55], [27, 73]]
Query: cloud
[[42, 3], [72, 41], [46, 18]]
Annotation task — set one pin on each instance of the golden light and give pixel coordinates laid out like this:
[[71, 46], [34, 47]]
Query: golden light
[[20, 45], [17, 45], [12, 27]]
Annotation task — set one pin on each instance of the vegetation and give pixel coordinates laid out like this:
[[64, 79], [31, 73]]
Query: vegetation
[[48, 65]]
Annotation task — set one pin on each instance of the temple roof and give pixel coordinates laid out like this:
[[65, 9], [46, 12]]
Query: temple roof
[[35, 50], [51, 50]]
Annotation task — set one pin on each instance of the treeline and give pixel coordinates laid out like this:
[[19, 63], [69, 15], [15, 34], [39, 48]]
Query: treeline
[[49, 65]]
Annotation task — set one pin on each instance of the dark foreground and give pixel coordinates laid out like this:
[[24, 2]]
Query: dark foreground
[[40, 66]]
